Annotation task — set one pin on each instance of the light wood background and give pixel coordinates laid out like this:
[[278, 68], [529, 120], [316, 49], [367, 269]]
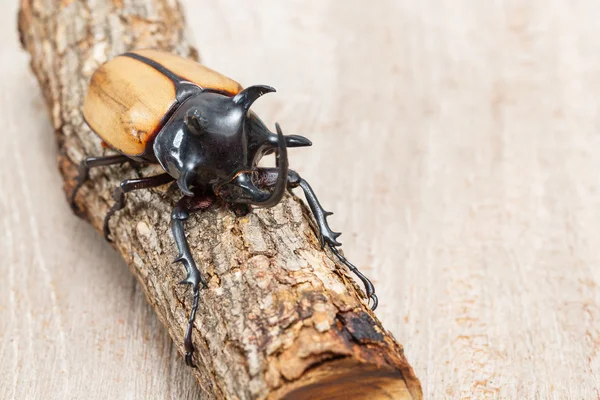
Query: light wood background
[[458, 143]]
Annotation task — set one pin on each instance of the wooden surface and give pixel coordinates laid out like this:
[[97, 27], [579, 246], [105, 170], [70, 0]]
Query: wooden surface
[[476, 199]]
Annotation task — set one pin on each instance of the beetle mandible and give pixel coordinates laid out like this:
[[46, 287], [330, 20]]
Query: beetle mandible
[[156, 107]]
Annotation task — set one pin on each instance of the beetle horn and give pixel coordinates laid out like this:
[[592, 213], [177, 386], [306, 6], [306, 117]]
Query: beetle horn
[[243, 190], [246, 97], [183, 183], [297, 141], [290, 141], [282, 171]]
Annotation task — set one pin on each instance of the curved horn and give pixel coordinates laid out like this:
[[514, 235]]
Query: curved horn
[[282, 164], [297, 141], [246, 97], [242, 189], [182, 182], [290, 140]]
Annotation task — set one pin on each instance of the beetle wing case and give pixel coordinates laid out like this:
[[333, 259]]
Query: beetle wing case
[[130, 97]]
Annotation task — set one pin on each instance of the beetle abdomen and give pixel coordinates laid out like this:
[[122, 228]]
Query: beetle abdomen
[[130, 97]]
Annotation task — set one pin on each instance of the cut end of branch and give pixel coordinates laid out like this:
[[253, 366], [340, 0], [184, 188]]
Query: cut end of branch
[[347, 379]]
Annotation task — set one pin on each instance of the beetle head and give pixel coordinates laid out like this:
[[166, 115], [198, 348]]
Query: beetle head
[[242, 189], [215, 141]]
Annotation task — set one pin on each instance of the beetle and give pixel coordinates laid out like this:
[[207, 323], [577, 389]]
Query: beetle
[[156, 107]]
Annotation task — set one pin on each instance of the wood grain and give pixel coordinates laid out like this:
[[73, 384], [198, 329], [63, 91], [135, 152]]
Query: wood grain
[[475, 198]]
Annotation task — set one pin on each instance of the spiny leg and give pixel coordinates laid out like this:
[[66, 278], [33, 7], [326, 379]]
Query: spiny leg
[[127, 186], [327, 236], [83, 173], [181, 212]]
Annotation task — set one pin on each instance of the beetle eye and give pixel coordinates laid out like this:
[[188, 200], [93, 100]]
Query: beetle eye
[[194, 124]]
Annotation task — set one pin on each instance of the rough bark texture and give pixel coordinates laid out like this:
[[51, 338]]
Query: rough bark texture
[[279, 317]]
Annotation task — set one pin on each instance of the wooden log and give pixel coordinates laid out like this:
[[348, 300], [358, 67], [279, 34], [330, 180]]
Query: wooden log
[[280, 318]]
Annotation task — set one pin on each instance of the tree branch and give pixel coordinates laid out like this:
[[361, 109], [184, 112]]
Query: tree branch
[[279, 317]]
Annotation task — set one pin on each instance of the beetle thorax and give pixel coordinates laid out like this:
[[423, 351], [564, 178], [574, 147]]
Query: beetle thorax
[[209, 140]]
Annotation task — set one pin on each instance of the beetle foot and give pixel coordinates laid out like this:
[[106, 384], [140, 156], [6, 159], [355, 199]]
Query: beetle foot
[[188, 358], [193, 278], [106, 226], [187, 341], [82, 177], [374, 301], [119, 197], [369, 288]]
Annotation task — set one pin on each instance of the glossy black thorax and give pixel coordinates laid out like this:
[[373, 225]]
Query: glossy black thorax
[[210, 139]]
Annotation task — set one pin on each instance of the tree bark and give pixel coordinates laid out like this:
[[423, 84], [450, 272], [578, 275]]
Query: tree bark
[[279, 318]]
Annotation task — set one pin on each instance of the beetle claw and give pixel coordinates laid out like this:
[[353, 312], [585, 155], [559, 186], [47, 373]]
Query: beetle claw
[[106, 229], [375, 301], [188, 358], [369, 288]]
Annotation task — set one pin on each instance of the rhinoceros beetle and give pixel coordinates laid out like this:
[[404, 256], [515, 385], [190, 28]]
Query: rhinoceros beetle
[[156, 107]]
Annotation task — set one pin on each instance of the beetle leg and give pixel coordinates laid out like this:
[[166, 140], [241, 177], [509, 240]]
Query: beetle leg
[[83, 172], [329, 237], [179, 215], [127, 186], [326, 236]]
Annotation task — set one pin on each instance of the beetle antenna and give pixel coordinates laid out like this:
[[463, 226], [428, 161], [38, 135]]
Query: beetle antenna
[[246, 97]]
